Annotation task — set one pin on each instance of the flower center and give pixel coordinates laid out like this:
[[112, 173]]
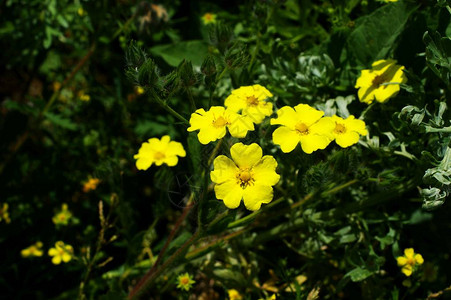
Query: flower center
[[244, 178], [340, 129], [252, 101], [301, 128], [411, 261], [184, 280], [220, 122], [378, 80], [159, 155]]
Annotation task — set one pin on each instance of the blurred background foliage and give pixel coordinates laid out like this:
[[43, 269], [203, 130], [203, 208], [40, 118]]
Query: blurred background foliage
[[84, 83]]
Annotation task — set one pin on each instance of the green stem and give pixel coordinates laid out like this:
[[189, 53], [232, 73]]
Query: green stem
[[222, 73], [168, 108]]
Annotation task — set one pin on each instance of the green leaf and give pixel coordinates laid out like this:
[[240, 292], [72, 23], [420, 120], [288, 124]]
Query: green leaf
[[359, 274], [375, 34], [173, 54], [61, 121]]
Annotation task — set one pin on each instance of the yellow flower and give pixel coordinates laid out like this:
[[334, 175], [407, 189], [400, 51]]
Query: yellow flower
[[209, 18], [81, 12], [234, 295], [381, 82], [160, 152], [212, 124], [273, 297], [251, 101], [33, 250], [91, 184], [83, 96], [185, 282], [139, 90], [409, 261], [63, 216], [347, 131], [4, 214], [61, 252], [304, 125], [248, 176]]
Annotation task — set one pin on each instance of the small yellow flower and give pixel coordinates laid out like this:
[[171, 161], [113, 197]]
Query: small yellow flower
[[56, 86], [212, 124], [251, 101], [304, 125], [234, 295], [63, 216], [33, 250], [139, 90], [209, 18], [61, 252], [91, 184], [81, 12], [381, 82], [249, 176], [387, 1], [4, 214], [83, 97], [185, 281], [409, 261], [159, 152], [347, 131]]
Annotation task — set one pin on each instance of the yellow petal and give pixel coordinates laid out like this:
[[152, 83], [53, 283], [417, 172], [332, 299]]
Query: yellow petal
[[286, 116], [401, 260], [229, 192], [66, 257], [419, 259], [56, 260], [407, 270], [171, 160], [366, 94], [175, 148], [365, 79], [265, 171], [224, 169], [210, 134], [25, 252], [143, 163], [312, 142], [307, 114], [408, 253], [199, 119], [245, 156], [383, 93], [235, 102], [347, 139], [356, 125], [255, 195], [286, 138], [240, 125], [324, 126], [258, 113], [52, 252]]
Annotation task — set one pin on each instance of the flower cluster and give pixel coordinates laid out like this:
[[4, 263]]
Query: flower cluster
[[305, 125], [245, 107], [409, 261]]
